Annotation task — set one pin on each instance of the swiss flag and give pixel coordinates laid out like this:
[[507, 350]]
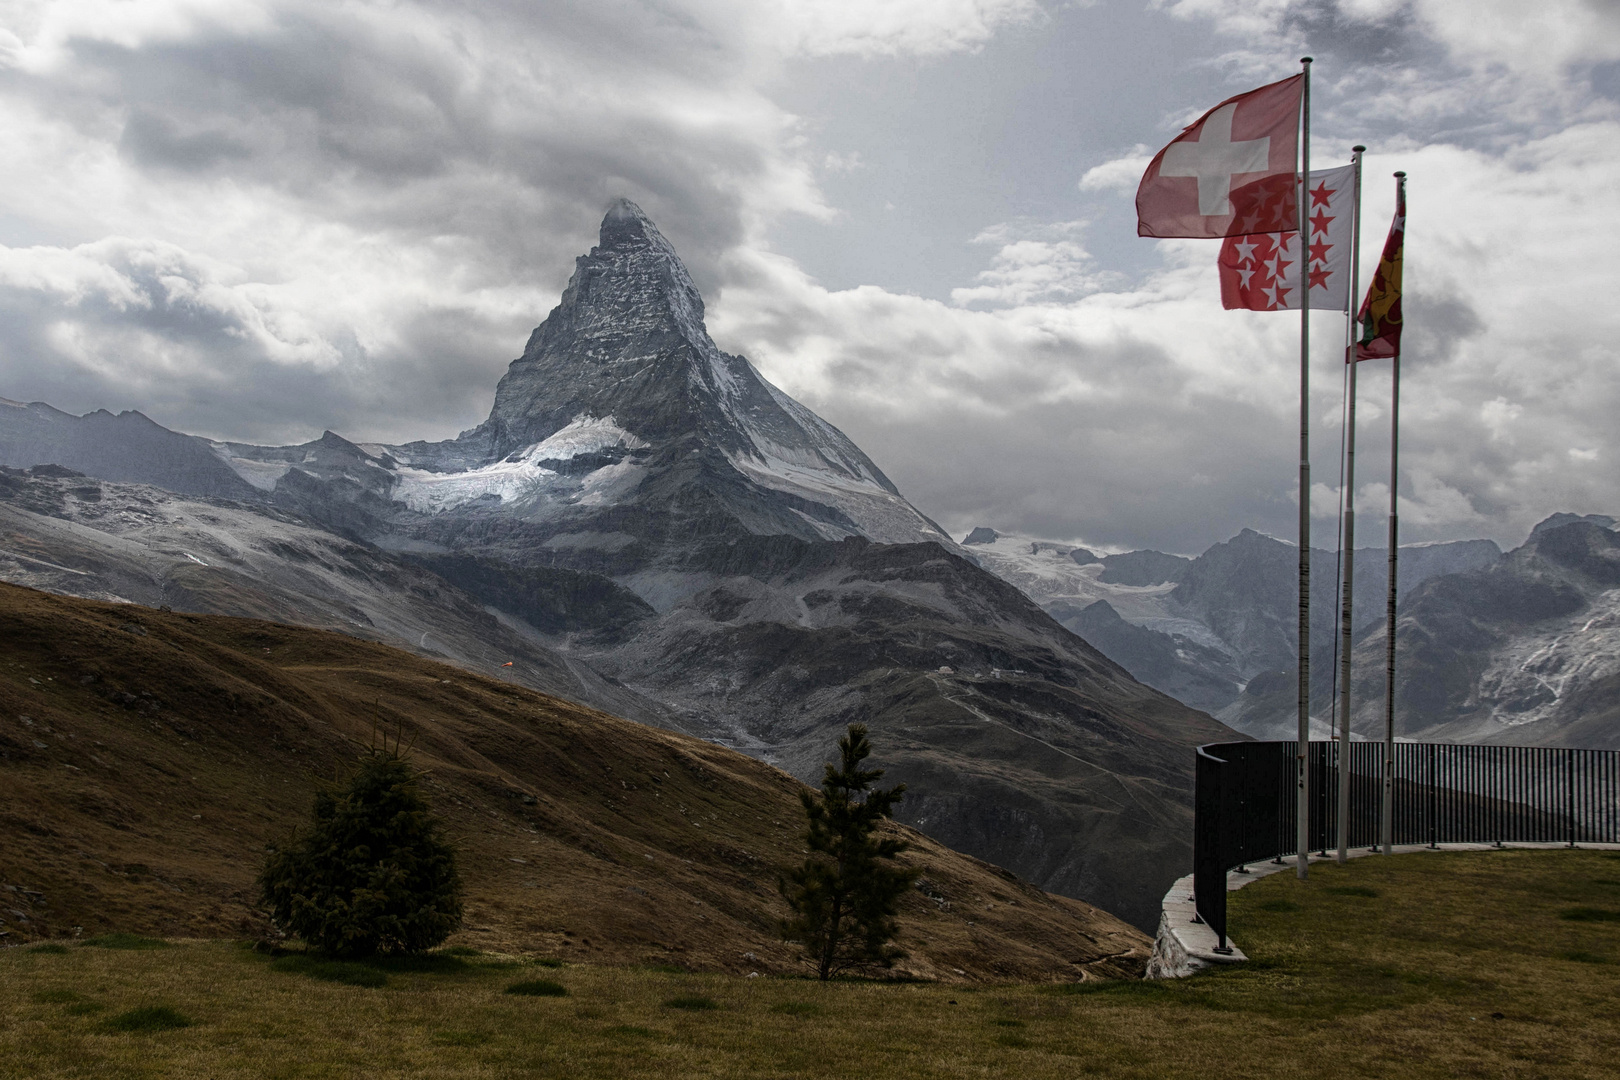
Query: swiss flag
[[1231, 173]]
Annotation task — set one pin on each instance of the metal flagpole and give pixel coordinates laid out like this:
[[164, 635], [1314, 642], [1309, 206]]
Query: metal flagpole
[[1349, 560], [1303, 765], [1388, 822]]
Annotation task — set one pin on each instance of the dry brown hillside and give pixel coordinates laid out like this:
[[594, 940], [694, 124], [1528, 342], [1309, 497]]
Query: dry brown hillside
[[148, 757]]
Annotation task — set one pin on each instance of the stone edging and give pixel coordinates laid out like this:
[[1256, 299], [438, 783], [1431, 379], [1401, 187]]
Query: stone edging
[[1185, 945]]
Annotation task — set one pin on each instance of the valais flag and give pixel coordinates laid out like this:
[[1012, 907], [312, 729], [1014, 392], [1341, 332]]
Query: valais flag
[[1261, 272], [1233, 172]]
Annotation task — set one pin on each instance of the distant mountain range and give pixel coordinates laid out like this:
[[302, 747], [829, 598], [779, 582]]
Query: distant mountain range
[[645, 524], [1521, 647]]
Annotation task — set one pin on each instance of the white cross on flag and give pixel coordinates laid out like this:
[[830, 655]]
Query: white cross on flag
[[1230, 173], [1261, 272]]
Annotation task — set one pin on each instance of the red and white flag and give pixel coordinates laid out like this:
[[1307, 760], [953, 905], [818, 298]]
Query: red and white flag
[[1233, 172], [1261, 272]]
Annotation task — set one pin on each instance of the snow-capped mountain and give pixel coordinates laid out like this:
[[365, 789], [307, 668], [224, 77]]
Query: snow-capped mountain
[[620, 383], [656, 514], [1523, 650], [1522, 647], [1217, 631]]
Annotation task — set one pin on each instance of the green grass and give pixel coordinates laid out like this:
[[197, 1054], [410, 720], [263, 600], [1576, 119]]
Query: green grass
[[1589, 914], [692, 1002], [461, 1038], [1460, 966], [148, 1018], [1280, 906], [348, 972], [73, 1003], [538, 988], [123, 941]]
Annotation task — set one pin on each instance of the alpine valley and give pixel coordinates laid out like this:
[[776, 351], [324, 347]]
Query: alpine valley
[[644, 525]]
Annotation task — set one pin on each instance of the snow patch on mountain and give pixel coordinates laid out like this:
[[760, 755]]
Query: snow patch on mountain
[[1046, 572], [261, 474], [526, 474], [863, 507]]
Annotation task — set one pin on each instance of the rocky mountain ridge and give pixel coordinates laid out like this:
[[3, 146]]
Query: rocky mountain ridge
[[1504, 647], [1525, 650]]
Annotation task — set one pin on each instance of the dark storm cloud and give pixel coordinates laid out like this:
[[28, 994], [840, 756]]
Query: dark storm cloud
[[484, 142], [466, 126]]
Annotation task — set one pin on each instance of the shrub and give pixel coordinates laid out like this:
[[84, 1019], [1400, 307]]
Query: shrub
[[372, 874]]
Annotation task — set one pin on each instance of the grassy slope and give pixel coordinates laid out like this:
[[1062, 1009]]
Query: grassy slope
[[1455, 965], [147, 758]]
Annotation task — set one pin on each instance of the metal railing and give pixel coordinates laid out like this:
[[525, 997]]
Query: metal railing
[[1245, 809]]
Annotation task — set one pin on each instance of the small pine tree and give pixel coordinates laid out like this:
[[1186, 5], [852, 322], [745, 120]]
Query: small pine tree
[[845, 896], [372, 874]]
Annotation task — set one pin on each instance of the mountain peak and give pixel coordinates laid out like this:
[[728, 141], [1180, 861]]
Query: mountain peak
[[1558, 521], [625, 221], [625, 363]]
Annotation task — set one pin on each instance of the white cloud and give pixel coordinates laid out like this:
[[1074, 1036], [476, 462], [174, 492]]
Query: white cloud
[[1122, 174], [1034, 265], [1542, 38], [883, 27]]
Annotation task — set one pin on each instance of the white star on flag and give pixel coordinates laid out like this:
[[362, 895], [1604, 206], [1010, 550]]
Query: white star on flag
[[1251, 267]]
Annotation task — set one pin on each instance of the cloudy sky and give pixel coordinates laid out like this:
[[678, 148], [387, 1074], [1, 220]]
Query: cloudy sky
[[256, 219]]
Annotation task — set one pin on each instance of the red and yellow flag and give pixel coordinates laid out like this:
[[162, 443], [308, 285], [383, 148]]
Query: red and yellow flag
[[1380, 315]]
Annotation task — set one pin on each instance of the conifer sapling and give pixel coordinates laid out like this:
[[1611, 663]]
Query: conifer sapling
[[845, 896]]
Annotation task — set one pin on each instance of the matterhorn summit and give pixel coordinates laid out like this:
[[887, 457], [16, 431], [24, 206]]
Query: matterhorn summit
[[621, 386]]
